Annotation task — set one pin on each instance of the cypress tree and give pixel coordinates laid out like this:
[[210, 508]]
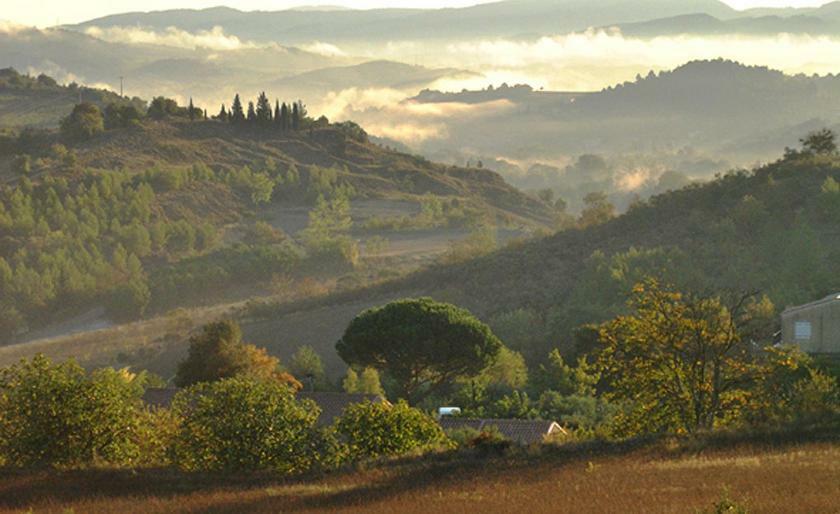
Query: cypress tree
[[284, 117], [277, 120], [223, 115], [237, 115], [295, 117], [191, 110], [252, 113]]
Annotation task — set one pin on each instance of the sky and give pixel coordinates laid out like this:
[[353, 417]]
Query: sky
[[51, 12]]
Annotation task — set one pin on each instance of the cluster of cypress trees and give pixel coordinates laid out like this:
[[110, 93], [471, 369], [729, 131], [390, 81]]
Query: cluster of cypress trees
[[284, 116]]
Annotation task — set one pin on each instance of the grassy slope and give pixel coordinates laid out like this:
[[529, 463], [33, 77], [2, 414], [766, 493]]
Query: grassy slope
[[792, 477]]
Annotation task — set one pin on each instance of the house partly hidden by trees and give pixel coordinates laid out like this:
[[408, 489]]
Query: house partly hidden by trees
[[814, 327], [521, 431], [331, 405]]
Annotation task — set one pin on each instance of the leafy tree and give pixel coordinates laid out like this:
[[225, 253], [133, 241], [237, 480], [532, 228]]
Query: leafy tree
[[422, 345], [59, 415], [681, 362], [245, 424], [161, 107], [130, 300], [597, 210], [576, 411], [790, 390], [372, 430], [121, 115], [522, 330], [350, 384], [369, 382], [83, 123], [237, 115], [307, 365], [556, 375], [329, 219], [218, 353], [821, 142]]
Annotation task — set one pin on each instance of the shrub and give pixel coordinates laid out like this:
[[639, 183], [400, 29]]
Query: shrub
[[83, 123], [246, 424], [59, 415], [22, 164], [372, 430], [488, 440], [218, 353]]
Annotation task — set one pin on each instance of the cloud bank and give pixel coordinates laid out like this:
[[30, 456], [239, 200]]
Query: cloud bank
[[213, 39]]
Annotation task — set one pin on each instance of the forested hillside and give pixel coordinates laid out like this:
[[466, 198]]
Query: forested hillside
[[140, 211], [772, 230]]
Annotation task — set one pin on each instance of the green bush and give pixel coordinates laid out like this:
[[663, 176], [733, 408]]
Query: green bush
[[22, 164], [372, 430], [83, 123], [488, 440], [245, 424], [60, 415]]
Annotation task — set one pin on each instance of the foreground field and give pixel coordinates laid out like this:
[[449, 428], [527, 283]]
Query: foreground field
[[783, 478]]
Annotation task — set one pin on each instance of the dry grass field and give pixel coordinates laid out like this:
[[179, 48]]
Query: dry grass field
[[774, 478]]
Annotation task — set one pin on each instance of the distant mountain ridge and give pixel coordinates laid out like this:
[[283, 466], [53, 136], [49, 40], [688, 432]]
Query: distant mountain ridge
[[501, 19], [703, 104], [508, 18]]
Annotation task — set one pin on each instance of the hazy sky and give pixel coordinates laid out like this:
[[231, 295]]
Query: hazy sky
[[50, 12]]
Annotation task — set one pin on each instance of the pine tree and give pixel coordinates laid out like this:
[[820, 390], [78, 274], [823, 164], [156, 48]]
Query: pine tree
[[237, 115], [277, 120], [191, 110], [263, 112], [252, 113], [223, 115]]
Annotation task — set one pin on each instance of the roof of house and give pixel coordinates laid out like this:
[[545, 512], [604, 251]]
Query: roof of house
[[523, 431], [332, 405], [827, 300]]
